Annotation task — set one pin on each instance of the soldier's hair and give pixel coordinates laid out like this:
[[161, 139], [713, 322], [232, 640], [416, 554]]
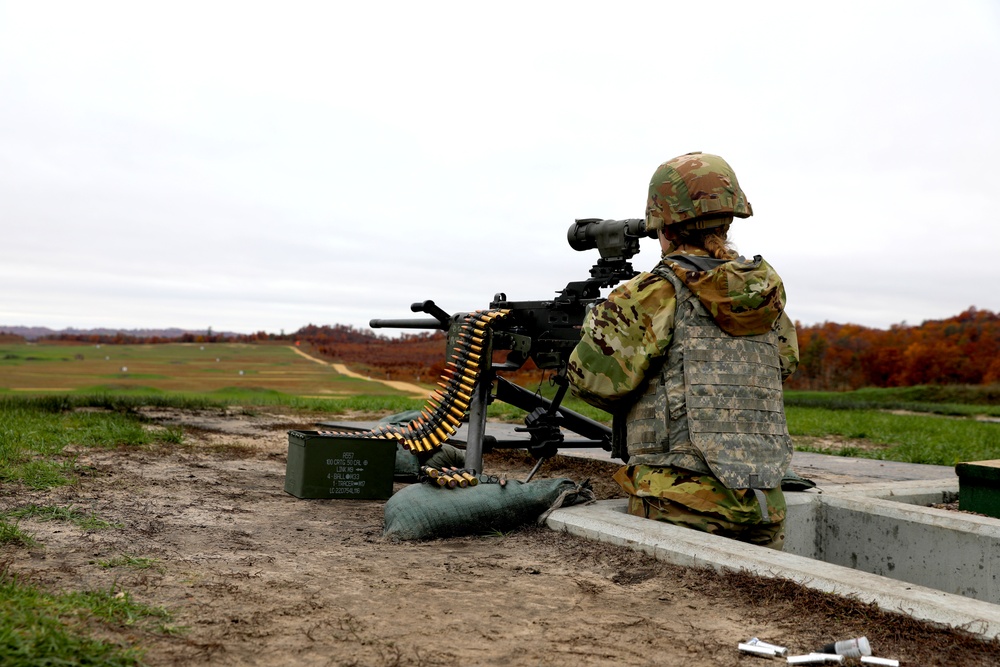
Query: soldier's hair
[[713, 240]]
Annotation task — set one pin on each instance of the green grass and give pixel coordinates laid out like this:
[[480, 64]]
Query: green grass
[[35, 433], [41, 628], [950, 400], [88, 521], [906, 437], [11, 533]]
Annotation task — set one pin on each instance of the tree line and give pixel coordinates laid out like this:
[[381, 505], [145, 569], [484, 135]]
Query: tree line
[[964, 349]]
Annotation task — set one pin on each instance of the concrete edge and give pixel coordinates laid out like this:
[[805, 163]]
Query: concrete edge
[[907, 491], [606, 521]]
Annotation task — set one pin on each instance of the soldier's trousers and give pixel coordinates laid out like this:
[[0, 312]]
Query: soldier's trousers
[[702, 502]]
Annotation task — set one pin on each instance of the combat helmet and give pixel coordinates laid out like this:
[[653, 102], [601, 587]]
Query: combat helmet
[[696, 190]]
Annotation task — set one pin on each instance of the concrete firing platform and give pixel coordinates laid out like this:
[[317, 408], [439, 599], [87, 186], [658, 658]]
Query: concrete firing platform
[[606, 521], [842, 482]]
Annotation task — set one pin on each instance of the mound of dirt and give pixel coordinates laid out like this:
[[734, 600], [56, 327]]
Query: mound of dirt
[[254, 576]]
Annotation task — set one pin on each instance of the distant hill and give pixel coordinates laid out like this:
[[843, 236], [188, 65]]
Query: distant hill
[[34, 333]]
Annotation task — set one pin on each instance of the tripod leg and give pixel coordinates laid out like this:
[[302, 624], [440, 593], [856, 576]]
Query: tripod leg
[[477, 424], [538, 465]]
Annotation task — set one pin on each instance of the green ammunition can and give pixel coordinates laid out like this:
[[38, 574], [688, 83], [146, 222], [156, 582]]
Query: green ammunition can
[[321, 465]]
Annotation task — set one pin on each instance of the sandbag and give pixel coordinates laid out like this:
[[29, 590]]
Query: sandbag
[[407, 465], [422, 511]]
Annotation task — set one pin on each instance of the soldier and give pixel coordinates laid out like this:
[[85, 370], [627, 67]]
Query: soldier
[[689, 359]]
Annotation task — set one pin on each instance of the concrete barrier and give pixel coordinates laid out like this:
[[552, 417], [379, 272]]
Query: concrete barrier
[[855, 525]]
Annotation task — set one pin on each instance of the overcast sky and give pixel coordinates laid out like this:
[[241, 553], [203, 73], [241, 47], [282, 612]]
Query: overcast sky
[[262, 166]]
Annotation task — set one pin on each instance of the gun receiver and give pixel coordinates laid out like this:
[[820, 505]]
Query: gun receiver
[[544, 331]]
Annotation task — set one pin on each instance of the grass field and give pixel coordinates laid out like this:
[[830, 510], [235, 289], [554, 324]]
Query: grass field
[[937, 425], [173, 367]]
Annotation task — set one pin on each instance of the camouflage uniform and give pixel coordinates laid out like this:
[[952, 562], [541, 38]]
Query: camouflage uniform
[[709, 447], [700, 501]]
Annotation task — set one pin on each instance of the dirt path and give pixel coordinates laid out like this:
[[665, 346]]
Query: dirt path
[[415, 391], [254, 576]]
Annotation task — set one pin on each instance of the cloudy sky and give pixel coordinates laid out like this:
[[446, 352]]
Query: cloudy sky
[[261, 166]]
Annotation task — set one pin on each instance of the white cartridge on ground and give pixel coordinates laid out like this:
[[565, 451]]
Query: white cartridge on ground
[[757, 650], [814, 658], [870, 660]]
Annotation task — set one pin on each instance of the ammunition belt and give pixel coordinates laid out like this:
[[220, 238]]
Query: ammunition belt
[[451, 478], [443, 412]]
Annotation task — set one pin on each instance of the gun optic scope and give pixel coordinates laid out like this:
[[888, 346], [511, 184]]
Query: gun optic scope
[[614, 239]]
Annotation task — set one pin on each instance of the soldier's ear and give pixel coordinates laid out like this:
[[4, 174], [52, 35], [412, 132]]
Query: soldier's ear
[[671, 234]]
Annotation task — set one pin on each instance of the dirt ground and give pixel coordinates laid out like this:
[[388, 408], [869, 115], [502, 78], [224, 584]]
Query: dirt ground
[[254, 576]]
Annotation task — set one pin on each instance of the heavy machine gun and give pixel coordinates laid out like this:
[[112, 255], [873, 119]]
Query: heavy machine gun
[[544, 331]]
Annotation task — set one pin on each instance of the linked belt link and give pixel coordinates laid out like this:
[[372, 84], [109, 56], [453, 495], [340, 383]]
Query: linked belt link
[[445, 408]]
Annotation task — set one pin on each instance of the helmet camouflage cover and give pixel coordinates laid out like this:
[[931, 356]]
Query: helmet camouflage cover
[[698, 189]]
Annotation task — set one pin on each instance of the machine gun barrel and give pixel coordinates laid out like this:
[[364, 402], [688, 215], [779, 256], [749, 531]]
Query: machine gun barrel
[[408, 324], [442, 320]]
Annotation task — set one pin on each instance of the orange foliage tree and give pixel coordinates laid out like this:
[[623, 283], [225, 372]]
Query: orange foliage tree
[[963, 349]]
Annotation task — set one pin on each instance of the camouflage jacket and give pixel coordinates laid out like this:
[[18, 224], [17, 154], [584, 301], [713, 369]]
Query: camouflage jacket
[[625, 337]]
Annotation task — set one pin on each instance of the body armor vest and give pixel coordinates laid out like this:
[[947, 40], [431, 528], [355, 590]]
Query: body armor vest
[[717, 404]]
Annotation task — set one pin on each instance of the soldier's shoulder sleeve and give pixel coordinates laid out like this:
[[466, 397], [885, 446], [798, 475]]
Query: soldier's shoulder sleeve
[[621, 338], [788, 345]]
